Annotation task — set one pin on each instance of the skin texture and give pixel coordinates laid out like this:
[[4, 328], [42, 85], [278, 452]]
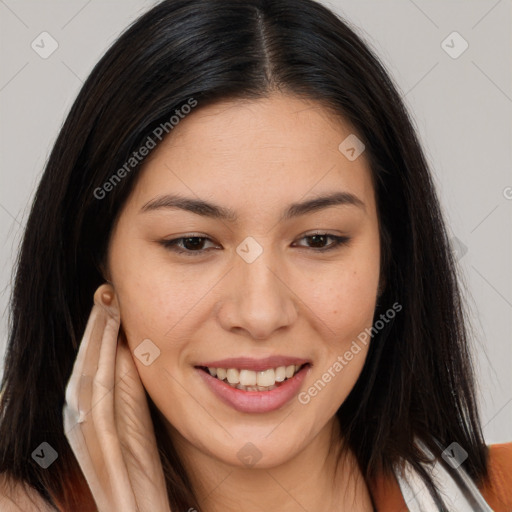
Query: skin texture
[[255, 157]]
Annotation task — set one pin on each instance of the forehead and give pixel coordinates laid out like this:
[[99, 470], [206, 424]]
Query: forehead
[[274, 149]]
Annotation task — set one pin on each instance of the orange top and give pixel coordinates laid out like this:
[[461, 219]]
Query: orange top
[[388, 496], [497, 492]]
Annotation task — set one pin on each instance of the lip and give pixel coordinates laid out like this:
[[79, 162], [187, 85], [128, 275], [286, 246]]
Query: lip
[[257, 365], [256, 401]]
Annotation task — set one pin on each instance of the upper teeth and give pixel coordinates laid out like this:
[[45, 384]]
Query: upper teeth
[[252, 378]]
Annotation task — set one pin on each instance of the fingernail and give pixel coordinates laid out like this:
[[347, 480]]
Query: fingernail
[[107, 297], [104, 297]]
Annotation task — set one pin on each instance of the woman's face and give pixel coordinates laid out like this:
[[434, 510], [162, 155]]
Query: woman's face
[[253, 291]]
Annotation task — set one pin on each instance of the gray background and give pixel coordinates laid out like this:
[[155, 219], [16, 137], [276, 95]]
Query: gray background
[[461, 106]]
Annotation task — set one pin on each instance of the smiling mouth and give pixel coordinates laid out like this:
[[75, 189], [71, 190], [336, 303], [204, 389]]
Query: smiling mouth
[[249, 380]]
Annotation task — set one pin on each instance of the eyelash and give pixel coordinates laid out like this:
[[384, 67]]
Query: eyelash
[[173, 244]]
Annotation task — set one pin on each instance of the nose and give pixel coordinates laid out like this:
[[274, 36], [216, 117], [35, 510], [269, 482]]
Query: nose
[[258, 301]]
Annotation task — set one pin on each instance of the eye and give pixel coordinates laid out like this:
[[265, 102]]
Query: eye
[[321, 238], [189, 245]]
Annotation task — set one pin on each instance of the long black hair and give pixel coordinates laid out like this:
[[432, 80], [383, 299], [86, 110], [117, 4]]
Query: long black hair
[[418, 377]]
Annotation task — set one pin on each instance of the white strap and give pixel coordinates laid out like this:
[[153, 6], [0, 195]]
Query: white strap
[[463, 498]]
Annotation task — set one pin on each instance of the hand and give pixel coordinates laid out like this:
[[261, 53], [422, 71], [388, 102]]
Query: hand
[[107, 420]]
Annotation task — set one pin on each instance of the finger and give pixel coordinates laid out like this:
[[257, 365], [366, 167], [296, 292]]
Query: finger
[[82, 365], [91, 462], [78, 425], [136, 435], [103, 413]]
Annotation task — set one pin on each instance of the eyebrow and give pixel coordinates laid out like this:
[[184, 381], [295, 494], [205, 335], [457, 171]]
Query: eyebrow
[[206, 209]]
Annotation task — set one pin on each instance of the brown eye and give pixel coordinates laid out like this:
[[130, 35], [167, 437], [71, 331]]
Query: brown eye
[[318, 241], [190, 245]]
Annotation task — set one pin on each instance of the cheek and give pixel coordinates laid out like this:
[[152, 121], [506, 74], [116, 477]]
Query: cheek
[[161, 305], [155, 299], [344, 297]]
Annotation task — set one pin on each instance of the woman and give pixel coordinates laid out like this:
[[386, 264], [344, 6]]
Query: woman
[[276, 322]]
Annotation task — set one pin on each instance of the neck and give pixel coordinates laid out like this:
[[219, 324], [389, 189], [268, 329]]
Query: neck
[[323, 476]]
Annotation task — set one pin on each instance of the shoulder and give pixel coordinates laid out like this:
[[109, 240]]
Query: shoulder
[[497, 490], [500, 455], [16, 496]]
